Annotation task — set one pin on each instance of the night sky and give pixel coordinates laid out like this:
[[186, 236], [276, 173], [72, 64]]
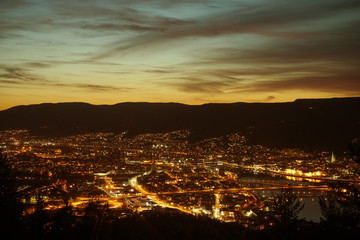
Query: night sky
[[193, 52]]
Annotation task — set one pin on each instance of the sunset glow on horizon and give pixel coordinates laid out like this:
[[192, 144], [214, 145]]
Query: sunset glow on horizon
[[192, 52]]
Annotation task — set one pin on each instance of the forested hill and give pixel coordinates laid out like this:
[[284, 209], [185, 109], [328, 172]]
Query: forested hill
[[328, 124]]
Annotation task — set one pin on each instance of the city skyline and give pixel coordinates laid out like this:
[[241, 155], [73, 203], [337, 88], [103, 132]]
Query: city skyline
[[191, 52]]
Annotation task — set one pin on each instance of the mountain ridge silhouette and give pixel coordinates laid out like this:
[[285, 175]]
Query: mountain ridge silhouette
[[309, 124]]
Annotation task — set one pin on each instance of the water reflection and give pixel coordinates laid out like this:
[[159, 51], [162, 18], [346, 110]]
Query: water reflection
[[311, 212]]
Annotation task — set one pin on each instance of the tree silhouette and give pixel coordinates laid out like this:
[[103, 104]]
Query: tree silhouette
[[63, 222], [96, 215], [39, 222], [354, 150], [341, 207], [11, 208], [287, 206]]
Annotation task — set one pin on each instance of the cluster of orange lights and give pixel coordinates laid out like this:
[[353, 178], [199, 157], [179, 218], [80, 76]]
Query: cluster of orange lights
[[303, 174]]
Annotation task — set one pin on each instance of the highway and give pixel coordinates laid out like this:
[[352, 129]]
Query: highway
[[246, 191], [134, 183], [145, 193]]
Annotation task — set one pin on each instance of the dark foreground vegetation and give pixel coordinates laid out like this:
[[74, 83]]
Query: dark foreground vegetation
[[156, 225]]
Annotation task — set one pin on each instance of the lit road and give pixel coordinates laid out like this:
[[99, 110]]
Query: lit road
[[115, 203], [134, 183], [246, 191], [109, 193], [144, 193]]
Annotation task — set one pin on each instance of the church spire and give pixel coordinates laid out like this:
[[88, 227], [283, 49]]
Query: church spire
[[333, 159]]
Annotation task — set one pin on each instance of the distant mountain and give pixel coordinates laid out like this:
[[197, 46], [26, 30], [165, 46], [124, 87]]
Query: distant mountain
[[327, 124]]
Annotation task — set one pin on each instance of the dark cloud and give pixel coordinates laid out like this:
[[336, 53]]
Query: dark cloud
[[331, 49], [18, 75], [336, 83], [75, 14], [196, 85], [6, 5], [332, 83], [160, 71], [271, 20], [324, 64], [10, 82], [118, 27], [96, 17], [95, 87], [54, 63], [271, 79], [38, 65], [21, 76], [162, 3], [116, 73]]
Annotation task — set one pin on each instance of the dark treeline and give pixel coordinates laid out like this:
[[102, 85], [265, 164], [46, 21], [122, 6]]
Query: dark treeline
[[61, 224]]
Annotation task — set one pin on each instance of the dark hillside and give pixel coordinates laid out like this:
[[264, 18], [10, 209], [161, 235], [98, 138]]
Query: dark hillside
[[328, 124]]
